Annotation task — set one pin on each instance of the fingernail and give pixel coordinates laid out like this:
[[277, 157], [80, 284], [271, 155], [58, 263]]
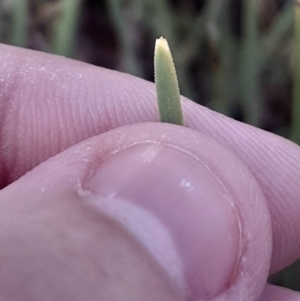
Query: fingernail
[[178, 209]]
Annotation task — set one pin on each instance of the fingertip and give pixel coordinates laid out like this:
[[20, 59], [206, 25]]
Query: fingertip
[[223, 233], [72, 101]]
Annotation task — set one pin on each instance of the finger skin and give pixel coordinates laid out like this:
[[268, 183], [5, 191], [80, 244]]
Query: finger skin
[[276, 293], [49, 103], [51, 217], [53, 247]]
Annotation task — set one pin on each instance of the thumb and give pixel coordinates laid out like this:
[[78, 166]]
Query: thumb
[[144, 212]]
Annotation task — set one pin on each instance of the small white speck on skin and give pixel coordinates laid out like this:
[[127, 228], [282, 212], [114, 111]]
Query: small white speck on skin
[[186, 184], [80, 191]]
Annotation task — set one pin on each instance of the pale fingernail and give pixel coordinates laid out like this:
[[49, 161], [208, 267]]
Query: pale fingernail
[[178, 208]]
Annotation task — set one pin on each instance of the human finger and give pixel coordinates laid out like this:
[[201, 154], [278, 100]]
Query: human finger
[[199, 220], [49, 103]]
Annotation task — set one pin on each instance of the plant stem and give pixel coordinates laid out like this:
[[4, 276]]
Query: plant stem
[[225, 74], [249, 68], [272, 40], [18, 36], [124, 35], [64, 32], [296, 105]]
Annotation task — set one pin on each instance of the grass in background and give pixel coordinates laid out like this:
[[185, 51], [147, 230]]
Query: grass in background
[[19, 23], [230, 55], [296, 104], [249, 64], [63, 38], [124, 30]]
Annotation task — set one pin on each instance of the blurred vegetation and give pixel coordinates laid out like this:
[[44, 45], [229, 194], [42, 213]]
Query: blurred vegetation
[[238, 57]]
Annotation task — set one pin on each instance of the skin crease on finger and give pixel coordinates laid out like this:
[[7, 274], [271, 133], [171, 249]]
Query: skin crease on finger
[[45, 215], [75, 101], [57, 249]]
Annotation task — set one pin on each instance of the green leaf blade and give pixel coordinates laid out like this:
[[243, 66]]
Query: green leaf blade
[[169, 103]]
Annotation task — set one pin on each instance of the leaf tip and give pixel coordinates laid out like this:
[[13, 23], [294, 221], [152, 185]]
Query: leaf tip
[[161, 44]]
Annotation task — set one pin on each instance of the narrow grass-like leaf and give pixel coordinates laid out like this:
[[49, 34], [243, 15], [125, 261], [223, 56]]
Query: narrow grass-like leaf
[[296, 105], [224, 92], [19, 19], [249, 68], [64, 33], [278, 35], [125, 34], [168, 96]]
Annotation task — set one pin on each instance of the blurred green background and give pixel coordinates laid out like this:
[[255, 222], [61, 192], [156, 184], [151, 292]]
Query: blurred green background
[[238, 57]]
